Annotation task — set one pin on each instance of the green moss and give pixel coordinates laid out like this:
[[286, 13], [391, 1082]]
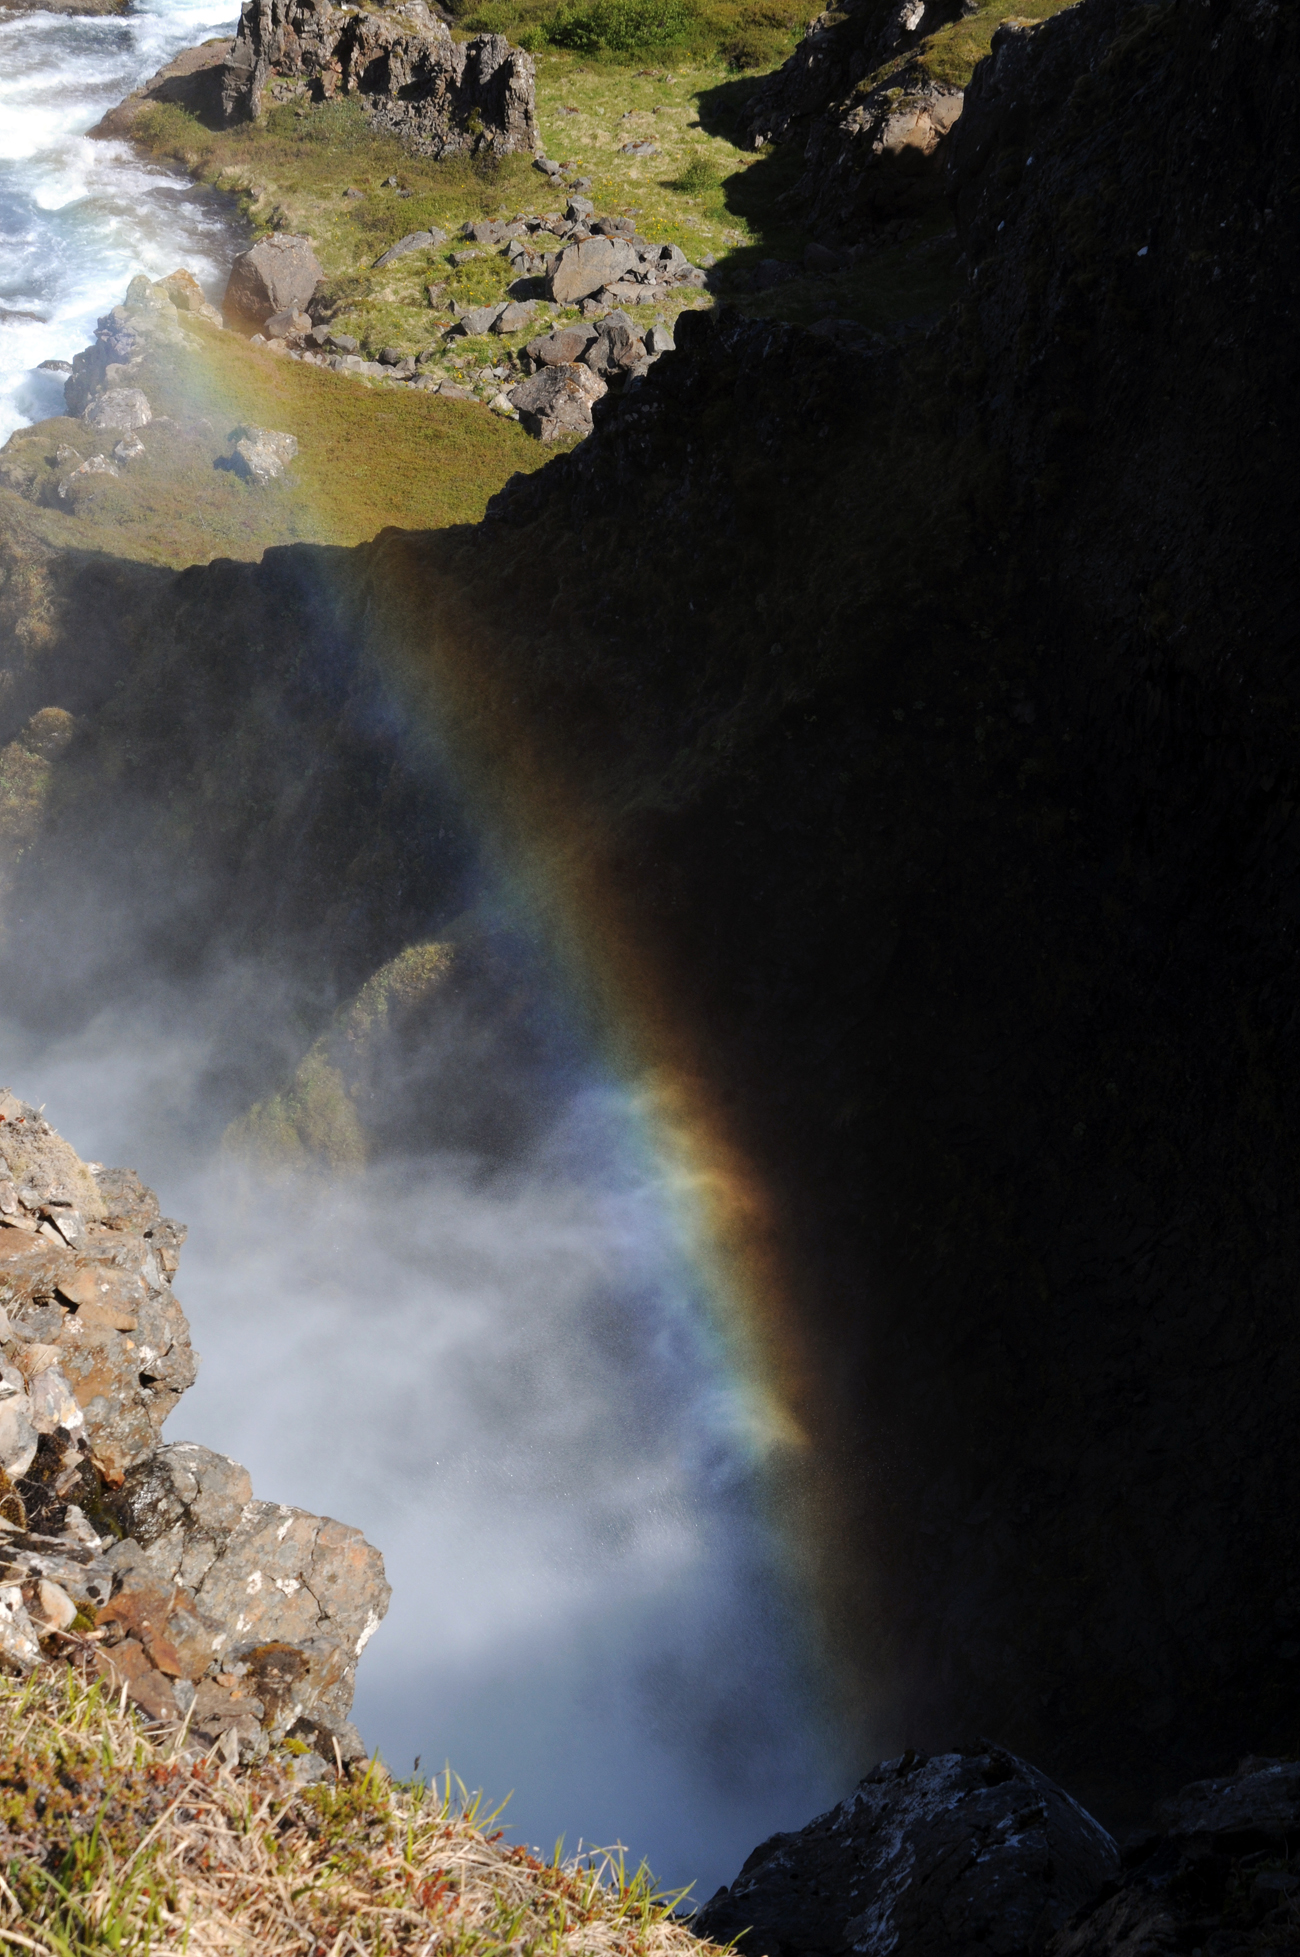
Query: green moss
[[314, 1117], [405, 983]]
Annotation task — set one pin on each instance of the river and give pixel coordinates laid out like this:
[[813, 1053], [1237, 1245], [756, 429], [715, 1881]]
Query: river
[[79, 218]]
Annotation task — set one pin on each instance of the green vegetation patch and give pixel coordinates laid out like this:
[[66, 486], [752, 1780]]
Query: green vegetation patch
[[952, 55]]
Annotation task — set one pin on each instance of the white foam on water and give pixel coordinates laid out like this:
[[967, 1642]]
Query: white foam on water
[[78, 219]]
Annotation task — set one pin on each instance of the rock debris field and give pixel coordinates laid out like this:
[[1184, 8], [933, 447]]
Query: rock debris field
[[236, 1622], [599, 265]]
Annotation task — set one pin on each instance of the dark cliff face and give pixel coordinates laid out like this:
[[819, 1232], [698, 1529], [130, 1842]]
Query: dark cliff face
[[935, 711]]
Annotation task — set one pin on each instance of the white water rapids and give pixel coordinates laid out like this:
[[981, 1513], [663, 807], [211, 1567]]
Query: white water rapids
[[79, 218]]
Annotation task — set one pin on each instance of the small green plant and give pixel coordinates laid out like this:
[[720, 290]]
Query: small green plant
[[697, 179]]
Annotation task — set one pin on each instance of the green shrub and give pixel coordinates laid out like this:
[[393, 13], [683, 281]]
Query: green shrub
[[698, 178], [632, 27]]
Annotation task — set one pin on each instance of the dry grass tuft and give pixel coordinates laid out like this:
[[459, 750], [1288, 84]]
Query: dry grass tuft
[[113, 1839]]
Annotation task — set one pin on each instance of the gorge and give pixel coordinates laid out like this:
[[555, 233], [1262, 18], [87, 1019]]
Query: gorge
[[848, 795]]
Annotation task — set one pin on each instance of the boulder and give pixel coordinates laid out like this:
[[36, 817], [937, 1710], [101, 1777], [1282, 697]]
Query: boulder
[[261, 454], [770, 272], [557, 401], [146, 319], [1261, 1798], [1197, 1881], [513, 318], [278, 275], [585, 267], [967, 1852], [118, 407], [440, 96], [565, 344]]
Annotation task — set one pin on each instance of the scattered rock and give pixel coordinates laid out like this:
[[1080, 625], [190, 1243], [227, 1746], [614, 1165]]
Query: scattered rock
[[261, 455], [286, 325], [558, 349], [966, 1851], [186, 294], [476, 320], [343, 343], [459, 258], [413, 241], [659, 339], [557, 401], [278, 275], [616, 348], [639, 149], [118, 407], [513, 318], [439, 95], [584, 268]]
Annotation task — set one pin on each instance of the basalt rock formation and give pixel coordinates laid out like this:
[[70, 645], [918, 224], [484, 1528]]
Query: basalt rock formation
[[242, 1619], [439, 95]]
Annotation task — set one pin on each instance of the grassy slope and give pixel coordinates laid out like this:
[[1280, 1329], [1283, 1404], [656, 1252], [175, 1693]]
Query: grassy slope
[[441, 460], [114, 1844]]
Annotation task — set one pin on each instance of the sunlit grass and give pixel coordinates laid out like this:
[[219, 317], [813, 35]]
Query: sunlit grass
[[117, 1843]]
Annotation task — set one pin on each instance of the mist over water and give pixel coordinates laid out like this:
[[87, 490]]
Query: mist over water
[[78, 218], [506, 1375]]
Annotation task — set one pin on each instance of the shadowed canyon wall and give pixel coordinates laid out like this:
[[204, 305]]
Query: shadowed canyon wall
[[909, 746]]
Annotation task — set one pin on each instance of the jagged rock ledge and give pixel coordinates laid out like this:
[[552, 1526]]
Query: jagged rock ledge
[[239, 1622], [978, 1852]]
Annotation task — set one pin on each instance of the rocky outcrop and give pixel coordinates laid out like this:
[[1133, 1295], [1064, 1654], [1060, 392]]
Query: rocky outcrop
[[978, 1853], [144, 321], [441, 96], [971, 1851], [192, 81], [240, 1618], [557, 401], [870, 117]]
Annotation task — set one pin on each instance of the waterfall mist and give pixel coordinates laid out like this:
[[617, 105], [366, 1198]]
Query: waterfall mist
[[498, 1363]]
